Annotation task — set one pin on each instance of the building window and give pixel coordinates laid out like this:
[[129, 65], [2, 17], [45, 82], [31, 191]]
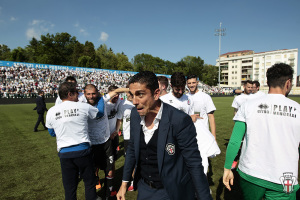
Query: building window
[[235, 72], [268, 64], [268, 58]]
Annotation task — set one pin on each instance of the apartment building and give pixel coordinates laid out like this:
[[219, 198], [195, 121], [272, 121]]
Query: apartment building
[[237, 67]]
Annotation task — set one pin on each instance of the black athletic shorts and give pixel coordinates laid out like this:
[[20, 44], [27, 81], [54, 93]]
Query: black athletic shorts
[[103, 156]]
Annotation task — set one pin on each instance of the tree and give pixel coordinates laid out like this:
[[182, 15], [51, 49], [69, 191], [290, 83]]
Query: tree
[[18, 54], [123, 62], [77, 53], [210, 75], [107, 57], [4, 52], [84, 61], [191, 65]]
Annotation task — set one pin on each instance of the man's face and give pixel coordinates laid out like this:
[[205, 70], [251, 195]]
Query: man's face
[[142, 98], [114, 99], [178, 91], [73, 96], [254, 88], [161, 87], [91, 95], [192, 85], [248, 88]]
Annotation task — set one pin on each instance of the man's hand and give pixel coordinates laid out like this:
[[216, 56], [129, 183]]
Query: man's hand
[[228, 178], [122, 191], [195, 117], [114, 134]]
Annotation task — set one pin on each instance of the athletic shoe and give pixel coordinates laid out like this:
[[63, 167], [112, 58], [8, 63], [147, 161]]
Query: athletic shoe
[[120, 133], [118, 148], [130, 189], [98, 184], [234, 164], [113, 193]]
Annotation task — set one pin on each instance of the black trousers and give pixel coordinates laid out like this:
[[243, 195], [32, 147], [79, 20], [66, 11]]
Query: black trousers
[[70, 168], [40, 120], [145, 192]]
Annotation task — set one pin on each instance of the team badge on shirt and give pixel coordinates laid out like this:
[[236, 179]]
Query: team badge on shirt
[[188, 102], [288, 181], [170, 148]]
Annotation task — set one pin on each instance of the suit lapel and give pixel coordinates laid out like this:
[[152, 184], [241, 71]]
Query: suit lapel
[[137, 135], [164, 126]]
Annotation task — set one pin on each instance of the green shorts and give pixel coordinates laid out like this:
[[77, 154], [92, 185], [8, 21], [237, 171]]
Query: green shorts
[[252, 191]]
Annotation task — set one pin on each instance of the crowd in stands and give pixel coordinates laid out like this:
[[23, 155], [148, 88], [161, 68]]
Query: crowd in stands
[[22, 82]]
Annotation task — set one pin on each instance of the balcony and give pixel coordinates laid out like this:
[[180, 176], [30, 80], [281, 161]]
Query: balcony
[[291, 58], [224, 71]]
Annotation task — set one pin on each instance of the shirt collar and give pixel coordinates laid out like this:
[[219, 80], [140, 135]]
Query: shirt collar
[[157, 117]]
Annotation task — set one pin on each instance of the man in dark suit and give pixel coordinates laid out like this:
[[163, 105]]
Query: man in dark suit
[[40, 108], [162, 149]]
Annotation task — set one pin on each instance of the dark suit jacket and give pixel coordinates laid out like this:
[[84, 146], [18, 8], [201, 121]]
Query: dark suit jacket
[[40, 105], [182, 172]]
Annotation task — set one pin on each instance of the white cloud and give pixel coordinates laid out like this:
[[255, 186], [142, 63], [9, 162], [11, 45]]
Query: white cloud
[[103, 37], [82, 31], [37, 28], [32, 33], [13, 19]]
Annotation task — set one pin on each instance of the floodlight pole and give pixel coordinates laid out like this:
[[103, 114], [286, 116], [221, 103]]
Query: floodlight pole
[[220, 32]]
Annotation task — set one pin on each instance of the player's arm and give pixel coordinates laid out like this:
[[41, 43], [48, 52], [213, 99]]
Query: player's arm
[[234, 111], [233, 147], [212, 123], [51, 132], [118, 91], [100, 107], [118, 126]]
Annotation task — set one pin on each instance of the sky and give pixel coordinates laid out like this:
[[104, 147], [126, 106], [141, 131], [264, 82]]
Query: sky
[[169, 29]]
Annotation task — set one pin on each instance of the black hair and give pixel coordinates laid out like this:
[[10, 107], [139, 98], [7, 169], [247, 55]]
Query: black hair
[[163, 81], [248, 81], [65, 88], [146, 77], [191, 76], [278, 74], [112, 88], [70, 78], [256, 83], [178, 79]]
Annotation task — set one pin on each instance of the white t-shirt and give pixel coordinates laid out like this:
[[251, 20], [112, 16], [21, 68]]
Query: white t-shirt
[[256, 95], [99, 129], [239, 100], [202, 104], [183, 103], [81, 98], [113, 112], [125, 108], [270, 146], [69, 121]]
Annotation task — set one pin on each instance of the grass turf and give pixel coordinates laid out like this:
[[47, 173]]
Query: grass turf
[[30, 167]]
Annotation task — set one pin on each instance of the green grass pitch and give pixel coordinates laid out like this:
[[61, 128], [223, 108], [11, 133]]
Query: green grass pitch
[[30, 168]]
